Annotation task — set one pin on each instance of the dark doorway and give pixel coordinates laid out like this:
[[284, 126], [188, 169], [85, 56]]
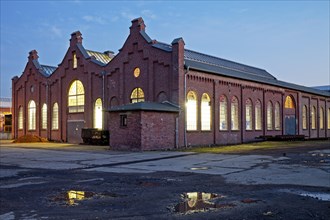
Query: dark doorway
[[290, 125]]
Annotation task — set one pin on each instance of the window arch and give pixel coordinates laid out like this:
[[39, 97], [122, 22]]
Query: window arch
[[76, 97], [223, 113], [206, 112], [55, 116], [277, 116], [321, 118], [137, 95], [98, 114], [20, 118], [313, 116], [234, 113], [258, 118], [32, 115], [248, 114], [269, 115], [289, 102], [304, 117], [44, 116], [191, 108]]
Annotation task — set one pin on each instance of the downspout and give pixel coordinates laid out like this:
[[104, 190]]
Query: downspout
[[185, 107], [242, 116], [103, 74], [48, 112]]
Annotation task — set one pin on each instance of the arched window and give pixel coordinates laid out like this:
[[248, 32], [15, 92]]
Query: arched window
[[270, 116], [98, 114], [206, 112], [32, 115], [44, 116], [20, 118], [74, 60], [223, 113], [328, 118], [137, 95], [55, 116], [304, 117], [321, 118], [313, 116], [257, 111], [191, 109], [277, 116], [234, 113], [289, 102], [76, 97], [248, 114]]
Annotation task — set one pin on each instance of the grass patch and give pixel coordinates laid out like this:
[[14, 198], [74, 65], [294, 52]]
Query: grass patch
[[266, 145]]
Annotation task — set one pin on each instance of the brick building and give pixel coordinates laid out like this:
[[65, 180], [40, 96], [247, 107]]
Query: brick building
[[153, 95]]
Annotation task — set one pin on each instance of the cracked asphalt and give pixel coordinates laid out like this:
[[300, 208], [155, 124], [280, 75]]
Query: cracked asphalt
[[37, 180]]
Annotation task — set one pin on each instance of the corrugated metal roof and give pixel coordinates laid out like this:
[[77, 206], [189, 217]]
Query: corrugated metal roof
[[101, 57], [48, 69], [211, 60]]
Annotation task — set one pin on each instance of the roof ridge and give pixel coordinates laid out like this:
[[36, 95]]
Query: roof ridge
[[48, 65], [95, 51]]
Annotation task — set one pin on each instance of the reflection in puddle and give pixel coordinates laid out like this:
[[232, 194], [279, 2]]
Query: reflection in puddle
[[73, 196], [199, 202]]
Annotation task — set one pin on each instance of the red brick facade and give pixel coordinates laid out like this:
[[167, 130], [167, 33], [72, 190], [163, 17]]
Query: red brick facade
[[164, 76]]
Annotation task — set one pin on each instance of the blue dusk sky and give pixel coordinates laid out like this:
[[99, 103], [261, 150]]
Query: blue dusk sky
[[289, 39]]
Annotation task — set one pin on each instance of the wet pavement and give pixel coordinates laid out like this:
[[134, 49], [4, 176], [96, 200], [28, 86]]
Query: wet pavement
[[62, 181]]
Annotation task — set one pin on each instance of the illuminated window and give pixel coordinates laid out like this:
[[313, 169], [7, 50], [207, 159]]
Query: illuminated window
[[289, 102], [313, 116], [269, 116], [191, 109], [44, 116], [234, 113], [20, 118], [76, 97], [32, 115], [55, 116], [321, 118], [136, 72], [98, 114], [304, 117], [206, 112], [328, 118], [248, 114], [74, 60], [257, 111], [137, 95], [277, 116], [223, 113]]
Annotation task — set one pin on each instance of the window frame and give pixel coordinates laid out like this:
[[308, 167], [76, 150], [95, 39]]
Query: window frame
[[223, 113], [44, 117], [76, 97], [234, 114], [248, 115], [206, 109], [137, 95], [191, 111], [55, 116], [32, 115]]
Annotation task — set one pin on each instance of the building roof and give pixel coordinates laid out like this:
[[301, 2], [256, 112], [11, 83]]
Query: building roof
[[324, 88], [44, 70], [223, 67], [5, 102], [146, 106]]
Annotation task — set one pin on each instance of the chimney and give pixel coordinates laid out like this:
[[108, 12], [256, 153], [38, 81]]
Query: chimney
[[137, 25], [33, 55], [76, 38]]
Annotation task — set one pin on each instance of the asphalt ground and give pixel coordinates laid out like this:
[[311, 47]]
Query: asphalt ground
[[63, 181]]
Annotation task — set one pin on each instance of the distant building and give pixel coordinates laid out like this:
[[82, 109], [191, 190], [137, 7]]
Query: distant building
[[5, 118], [154, 95], [323, 88]]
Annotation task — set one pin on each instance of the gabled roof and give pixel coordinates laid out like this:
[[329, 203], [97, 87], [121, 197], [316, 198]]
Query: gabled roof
[[146, 106]]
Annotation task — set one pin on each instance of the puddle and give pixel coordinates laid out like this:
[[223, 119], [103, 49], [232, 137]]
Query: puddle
[[319, 196], [73, 197], [316, 195], [199, 168], [199, 202]]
